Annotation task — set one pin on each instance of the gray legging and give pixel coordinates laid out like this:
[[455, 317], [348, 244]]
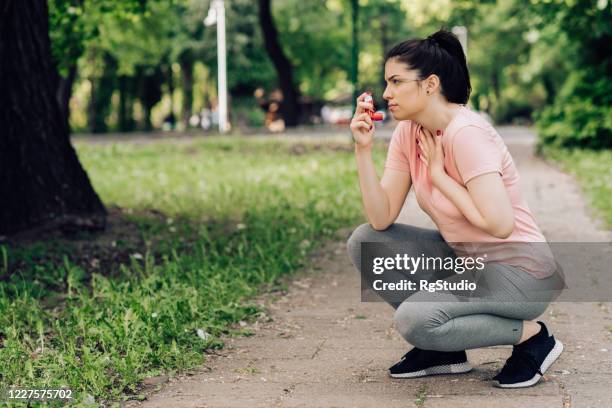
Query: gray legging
[[441, 321]]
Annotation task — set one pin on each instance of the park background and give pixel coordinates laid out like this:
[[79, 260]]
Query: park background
[[138, 258]]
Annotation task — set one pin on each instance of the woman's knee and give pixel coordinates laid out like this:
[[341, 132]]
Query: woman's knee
[[418, 322], [535, 310], [411, 323], [363, 233]]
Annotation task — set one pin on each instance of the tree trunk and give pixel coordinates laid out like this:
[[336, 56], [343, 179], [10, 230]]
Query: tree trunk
[[42, 183], [496, 86], [102, 89], [186, 61], [170, 83], [150, 92], [64, 92], [126, 121], [384, 42], [290, 107]]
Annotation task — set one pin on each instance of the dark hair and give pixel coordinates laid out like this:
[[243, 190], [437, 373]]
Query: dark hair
[[440, 54]]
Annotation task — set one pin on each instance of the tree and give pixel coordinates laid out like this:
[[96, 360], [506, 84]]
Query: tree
[[145, 47], [316, 37], [68, 34], [41, 179], [581, 112], [102, 87], [290, 106], [73, 25], [385, 25], [186, 61], [495, 68]]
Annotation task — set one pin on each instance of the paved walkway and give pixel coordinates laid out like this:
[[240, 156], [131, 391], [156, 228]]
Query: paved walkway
[[320, 346]]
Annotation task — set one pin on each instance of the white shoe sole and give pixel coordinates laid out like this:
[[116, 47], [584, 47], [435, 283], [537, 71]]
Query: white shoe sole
[[441, 369], [548, 361]]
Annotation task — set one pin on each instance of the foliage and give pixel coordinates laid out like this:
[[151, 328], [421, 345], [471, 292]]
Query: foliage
[[246, 113], [580, 114], [75, 23], [316, 40], [544, 59], [494, 68], [249, 66], [578, 121], [383, 24]]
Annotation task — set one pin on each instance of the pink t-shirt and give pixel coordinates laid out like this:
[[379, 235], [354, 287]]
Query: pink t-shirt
[[472, 147]]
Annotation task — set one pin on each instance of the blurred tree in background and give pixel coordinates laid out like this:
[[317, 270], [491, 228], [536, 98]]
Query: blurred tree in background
[[140, 63], [580, 112], [136, 63], [73, 25]]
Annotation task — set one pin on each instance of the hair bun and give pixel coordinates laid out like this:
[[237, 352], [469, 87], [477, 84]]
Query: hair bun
[[443, 37], [440, 53]]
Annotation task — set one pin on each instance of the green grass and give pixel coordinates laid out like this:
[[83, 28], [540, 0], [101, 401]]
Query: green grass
[[231, 217], [421, 396], [594, 173]]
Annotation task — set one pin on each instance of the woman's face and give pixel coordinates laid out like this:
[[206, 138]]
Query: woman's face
[[404, 92]]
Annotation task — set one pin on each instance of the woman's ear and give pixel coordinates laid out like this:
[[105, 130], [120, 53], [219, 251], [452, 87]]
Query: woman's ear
[[432, 83]]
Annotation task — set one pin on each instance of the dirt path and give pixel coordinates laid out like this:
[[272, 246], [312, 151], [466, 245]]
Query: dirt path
[[324, 348]]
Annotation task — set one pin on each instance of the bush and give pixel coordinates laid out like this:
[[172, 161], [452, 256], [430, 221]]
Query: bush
[[247, 113], [575, 123], [512, 111], [256, 117], [581, 116]]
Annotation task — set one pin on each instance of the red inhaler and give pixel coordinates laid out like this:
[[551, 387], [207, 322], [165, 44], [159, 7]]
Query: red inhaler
[[377, 116]]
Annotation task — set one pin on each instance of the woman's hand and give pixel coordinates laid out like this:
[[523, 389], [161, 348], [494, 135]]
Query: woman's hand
[[431, 153], [362, 126]]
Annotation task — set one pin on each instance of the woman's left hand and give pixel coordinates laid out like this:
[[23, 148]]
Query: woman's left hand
[[432, 153]]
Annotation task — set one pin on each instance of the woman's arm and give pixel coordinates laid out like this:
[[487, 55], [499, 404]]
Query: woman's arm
[[484, 203], [382, 201]]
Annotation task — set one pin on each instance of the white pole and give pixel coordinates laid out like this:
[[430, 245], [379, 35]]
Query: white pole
[[224, 125], [216, 14], [462, 34]]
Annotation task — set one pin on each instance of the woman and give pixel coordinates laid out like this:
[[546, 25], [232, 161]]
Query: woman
[[466, 181]]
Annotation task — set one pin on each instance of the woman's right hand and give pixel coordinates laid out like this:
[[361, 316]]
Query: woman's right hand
[[362, 126]]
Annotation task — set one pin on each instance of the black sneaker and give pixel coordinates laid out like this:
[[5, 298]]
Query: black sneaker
[[529, 361], [419, 363]]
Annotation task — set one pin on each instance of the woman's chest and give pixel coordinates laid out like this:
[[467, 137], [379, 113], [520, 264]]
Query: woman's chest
[[431, 200]]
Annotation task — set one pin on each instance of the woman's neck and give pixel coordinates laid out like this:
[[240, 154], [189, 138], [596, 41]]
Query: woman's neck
[[437, 116]]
